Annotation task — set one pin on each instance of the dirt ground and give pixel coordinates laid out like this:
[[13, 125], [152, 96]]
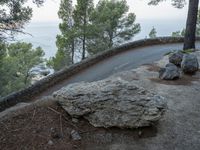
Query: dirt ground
[[34, 127]]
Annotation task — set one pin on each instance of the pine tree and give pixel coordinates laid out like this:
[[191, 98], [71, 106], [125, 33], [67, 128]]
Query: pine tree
[[198, 24], [66, 40], [16, 63], [178, 33], [152, 33], [112, 24], [13, 16], [82, 14]]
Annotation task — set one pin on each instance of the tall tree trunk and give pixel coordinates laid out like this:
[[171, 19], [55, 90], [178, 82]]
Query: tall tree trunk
[[84, 36], [26, 78], [72, 52], [189, 40], [111, 39], [83, 53]]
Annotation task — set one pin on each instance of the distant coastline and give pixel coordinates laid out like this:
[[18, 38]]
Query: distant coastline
[[44, 33]]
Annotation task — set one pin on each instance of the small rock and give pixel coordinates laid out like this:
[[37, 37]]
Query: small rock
[[50, 142], [39, 72], [34, 132], [190, 64], [55, 134], [45, 72], [140, 133], [170, 72], [176, 58], [75, 135], [74, 120]]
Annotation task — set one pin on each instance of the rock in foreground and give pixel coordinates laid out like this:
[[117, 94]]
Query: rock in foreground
[[176, 58], [112, 103], [190, 63], [170, 72]]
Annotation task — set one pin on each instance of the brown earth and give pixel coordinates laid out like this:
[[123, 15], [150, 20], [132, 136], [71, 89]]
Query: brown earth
[[33, 127]]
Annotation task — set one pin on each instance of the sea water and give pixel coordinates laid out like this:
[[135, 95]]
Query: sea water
[[44, 34]]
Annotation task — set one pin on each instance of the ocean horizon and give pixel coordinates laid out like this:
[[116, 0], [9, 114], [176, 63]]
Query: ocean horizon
[[44, 33]]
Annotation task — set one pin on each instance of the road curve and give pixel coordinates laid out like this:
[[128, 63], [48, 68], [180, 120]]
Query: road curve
[[121, 62], [122, 58]]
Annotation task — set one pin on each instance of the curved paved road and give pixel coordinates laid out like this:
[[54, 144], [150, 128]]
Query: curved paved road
[[121, 62]]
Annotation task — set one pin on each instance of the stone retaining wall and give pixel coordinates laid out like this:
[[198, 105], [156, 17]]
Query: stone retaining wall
[[30, 92]]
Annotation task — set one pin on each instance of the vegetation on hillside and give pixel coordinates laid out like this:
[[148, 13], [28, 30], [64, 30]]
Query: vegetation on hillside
[[152, 33], [14, 14], [16, 61], [113, 25], [87, 30]]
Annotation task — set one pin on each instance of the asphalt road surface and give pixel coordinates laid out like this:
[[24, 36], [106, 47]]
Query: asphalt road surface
[[127, 60]]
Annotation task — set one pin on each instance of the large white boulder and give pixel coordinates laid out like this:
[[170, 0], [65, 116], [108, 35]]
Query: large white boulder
[[112, 102]]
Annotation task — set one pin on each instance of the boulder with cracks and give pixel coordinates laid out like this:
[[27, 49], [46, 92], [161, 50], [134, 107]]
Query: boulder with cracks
[[176, 58], [190, 63], [112, 102], [170, 72]]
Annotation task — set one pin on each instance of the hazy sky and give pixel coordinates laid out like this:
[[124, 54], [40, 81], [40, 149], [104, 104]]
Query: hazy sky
[[163, 11]]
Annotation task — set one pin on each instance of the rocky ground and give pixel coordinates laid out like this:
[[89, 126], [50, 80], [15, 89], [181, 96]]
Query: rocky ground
[[45, 125]]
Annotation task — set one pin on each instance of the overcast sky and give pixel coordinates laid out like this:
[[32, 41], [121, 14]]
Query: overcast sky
[[164, 10]]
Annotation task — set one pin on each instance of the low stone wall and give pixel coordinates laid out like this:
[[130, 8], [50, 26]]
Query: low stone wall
[[30, 92]]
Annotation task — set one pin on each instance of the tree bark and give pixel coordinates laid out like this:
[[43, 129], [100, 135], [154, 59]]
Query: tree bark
[[83, 53], [26, 78], [110, 39], [190, 37], [84, 36], [72, 58]]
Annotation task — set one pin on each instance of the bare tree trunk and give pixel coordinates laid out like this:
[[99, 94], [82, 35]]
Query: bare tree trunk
[[83, 53], [26, 78], [84, 37], [189, 40], [111, 40], [72, 52]]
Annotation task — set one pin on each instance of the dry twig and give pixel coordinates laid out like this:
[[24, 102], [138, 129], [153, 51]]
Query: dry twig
[[61, 129], [33, 114], [55, 111]]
